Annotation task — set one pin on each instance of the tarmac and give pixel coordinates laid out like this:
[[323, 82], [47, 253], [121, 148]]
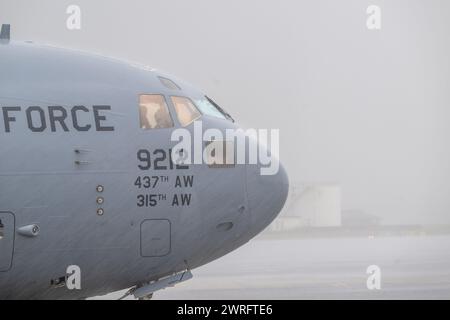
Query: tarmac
[[413, 267]]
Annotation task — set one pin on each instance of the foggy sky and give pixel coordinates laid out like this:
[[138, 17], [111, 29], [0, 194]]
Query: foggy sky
[[366, 109]]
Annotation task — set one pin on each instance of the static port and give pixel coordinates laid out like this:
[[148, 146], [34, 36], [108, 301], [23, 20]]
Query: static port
[[100, 211], [100, 200]]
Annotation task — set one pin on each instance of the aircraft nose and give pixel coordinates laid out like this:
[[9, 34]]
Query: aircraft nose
[[267, 195]]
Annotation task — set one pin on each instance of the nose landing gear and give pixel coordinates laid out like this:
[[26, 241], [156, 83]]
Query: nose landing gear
[[146, 291], [147, 297]]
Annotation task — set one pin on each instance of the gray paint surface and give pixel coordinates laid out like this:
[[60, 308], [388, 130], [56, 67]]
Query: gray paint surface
[[45, 181]]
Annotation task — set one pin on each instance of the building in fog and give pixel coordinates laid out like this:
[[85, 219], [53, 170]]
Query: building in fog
[[314, 205], [358, 218]]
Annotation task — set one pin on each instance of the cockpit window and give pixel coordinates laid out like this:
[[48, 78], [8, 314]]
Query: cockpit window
[[222, 111], [207, 108], [153, 112], [186, 111], [169, 83]]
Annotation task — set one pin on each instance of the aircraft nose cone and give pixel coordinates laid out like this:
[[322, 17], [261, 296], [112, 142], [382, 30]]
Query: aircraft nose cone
[[267, 195]]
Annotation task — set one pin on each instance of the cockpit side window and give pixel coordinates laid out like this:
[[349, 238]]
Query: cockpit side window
[[186, 111], [153, 112]]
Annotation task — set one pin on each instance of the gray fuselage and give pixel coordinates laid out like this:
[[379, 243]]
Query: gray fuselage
[[69, 163]]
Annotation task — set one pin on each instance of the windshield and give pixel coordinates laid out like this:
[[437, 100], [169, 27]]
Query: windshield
[[208, 107]]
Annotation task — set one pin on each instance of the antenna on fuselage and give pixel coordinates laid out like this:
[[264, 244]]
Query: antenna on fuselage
[[5, 34]]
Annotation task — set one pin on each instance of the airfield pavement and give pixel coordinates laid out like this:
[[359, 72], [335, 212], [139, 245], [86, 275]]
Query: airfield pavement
[[414, 267]]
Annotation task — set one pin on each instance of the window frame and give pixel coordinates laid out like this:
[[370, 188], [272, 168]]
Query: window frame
[[176, 113]]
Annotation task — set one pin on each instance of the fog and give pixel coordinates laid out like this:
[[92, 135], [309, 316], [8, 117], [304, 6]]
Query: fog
[[365, 109]]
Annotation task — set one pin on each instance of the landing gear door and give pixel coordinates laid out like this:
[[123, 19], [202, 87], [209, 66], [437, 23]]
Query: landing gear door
[[6, 240]]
